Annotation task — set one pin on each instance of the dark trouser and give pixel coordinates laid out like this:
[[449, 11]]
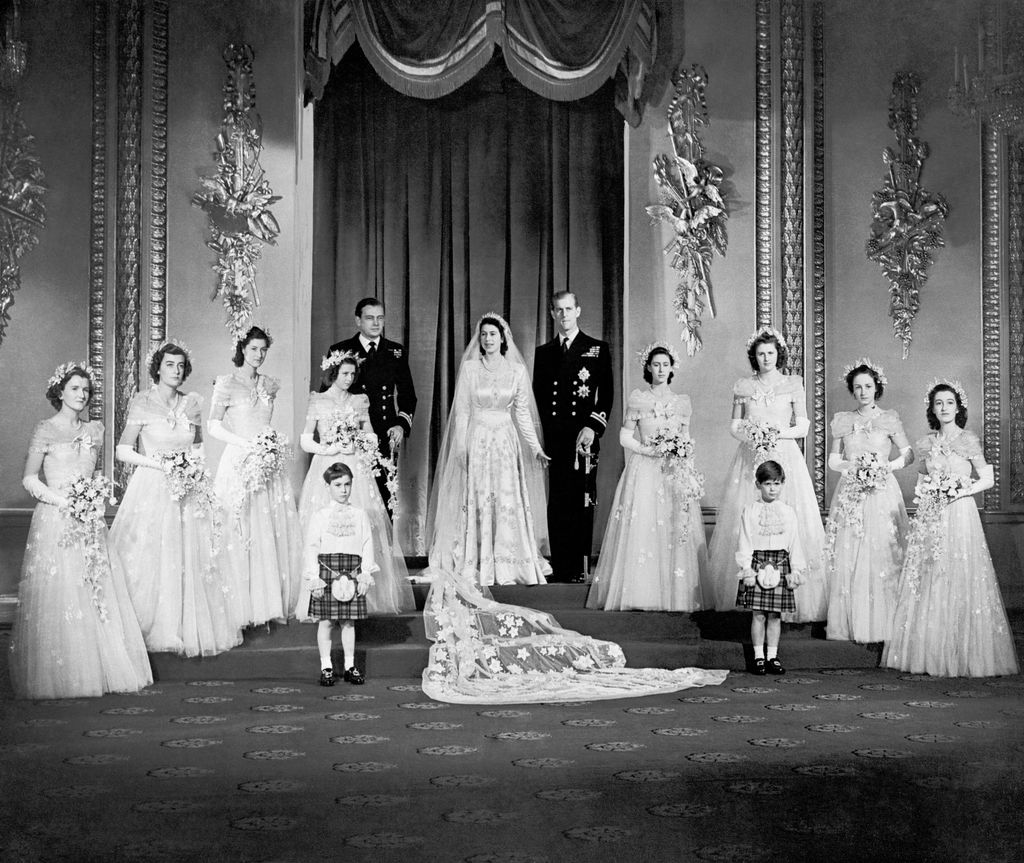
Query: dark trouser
[[570, 519]]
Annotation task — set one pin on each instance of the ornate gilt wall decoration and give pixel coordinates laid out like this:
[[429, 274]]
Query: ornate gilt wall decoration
[[22, 184], [763, 163], [792, 57], [691, 202], [1015, 279], [129, 215], [238, 197], [818, 249], [98, 212], [992, 174], [907, 219], [158, 179]]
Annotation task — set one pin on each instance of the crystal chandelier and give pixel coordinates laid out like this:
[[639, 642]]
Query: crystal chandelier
[[993, 93]]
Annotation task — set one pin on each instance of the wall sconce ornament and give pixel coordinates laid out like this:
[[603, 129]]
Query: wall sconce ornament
[[691, 202], [907, 220], [238, 197], [22, 211]]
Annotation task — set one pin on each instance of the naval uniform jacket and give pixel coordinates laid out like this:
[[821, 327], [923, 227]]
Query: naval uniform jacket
[[387, 382]]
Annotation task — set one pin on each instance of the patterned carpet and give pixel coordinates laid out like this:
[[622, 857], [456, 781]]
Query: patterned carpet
[[843, 764]]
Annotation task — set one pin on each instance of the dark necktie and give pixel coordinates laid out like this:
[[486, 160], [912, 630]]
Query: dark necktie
[[371, 351], [565, 346]]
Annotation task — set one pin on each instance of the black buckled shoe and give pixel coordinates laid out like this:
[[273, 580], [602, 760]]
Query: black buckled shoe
[[327, 677], [773, 666], [758, 667], [354, 675]]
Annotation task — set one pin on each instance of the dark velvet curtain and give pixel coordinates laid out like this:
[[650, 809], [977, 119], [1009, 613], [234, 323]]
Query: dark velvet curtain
[[490, 198]]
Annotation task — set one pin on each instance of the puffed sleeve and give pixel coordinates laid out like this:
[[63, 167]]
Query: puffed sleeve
[[361, 405], [193, 407], [797, 395], [137, 410], [842, 424], [41, 441], [521, 404], [742, 390], [221, 392], [271, 385], [634, 407], [923, 447], [312, 408], [969, 446], [894, 426]]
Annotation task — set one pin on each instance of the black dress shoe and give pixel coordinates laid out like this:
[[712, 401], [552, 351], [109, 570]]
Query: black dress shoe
[[758, 667], [327, 677], [773, 666], [354, 675]]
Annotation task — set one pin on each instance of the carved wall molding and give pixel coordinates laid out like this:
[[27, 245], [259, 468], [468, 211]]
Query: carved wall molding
[[818, 250], [158, 178], [991, 301], [98, 212], [763, 164], [1015, 304], [129, 215], [792, 177]]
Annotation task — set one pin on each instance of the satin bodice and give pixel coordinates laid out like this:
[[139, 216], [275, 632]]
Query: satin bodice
[[67, 454], [653, 414], [323, 406], [775, 404], [247, 406], [875, 434], [164, 429], [953, 456], [493, 398]]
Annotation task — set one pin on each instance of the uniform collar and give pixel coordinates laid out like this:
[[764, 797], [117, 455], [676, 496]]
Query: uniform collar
[[365, 342]]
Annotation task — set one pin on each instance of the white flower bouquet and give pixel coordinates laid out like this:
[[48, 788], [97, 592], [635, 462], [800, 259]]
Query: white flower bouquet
[[345, 431], [83, 513], [935, 491], [762, 438], [676, 453], [268, 454]]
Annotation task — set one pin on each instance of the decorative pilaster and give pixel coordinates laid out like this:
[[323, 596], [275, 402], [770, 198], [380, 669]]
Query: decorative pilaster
[[98, 212], [763, 164], [818, 250], [1015, 282], [991, 301], [129, 203], [158, 180], [792, 176]]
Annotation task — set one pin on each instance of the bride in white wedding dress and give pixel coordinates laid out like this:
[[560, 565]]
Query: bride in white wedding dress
[[486, 525]]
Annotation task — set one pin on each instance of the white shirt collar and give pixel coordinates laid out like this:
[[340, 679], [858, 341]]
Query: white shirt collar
[[365, 342], [568, 338]]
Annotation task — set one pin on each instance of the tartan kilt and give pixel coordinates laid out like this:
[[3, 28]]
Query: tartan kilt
[[779, 598], [326, 607]]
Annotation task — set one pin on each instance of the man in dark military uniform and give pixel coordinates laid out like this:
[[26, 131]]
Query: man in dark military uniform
[[572, 382], [385, 378]]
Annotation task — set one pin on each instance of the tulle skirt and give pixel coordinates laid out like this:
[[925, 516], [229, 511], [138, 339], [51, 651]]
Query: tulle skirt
[[798, 491], [263, 540], [61, 647], [654, 549], [950, 621], [864, 566], [185, 594], [391, 592]]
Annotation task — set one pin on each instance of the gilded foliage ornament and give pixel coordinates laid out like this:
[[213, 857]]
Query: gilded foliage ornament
[[691, 202], [238, 197], [907, 219]]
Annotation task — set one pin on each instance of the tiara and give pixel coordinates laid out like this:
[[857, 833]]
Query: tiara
[[336, 358], [153, 351], [64, 368], [644, 355], [766, 331], [954, 385], [866, 361]]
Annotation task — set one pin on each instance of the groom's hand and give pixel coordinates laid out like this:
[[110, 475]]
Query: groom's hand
[[395, 438], [584, 439]]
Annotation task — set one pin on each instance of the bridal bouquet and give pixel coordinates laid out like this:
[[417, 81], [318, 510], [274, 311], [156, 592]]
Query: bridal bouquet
[[934, 493], [344, 431], [762, 438], [676, 454], [869, 473], [83, 513], [268, 454], [188, 481]]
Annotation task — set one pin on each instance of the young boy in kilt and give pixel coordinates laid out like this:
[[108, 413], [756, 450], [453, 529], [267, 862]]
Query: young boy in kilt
[[337, 568], [770, 561]]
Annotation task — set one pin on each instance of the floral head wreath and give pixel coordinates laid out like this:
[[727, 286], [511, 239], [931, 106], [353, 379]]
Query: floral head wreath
[[166, 343], [866, 361], [766, 331], [263, 327], [336, 358], [954, 385], [64, 368], [645, 354]]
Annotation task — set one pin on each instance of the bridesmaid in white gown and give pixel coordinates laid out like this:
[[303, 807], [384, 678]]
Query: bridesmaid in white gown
[[867, 522], [776, 400], [181, 584], [487, 506], [949, 619], [654, 550], [391, 592], [263, 524], [75, 632]]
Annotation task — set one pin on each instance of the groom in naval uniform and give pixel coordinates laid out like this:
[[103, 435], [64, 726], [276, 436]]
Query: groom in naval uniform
[[385, 378], [572, 383]]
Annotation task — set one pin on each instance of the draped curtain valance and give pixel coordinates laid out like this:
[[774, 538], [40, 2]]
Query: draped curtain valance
[[560, 49]]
